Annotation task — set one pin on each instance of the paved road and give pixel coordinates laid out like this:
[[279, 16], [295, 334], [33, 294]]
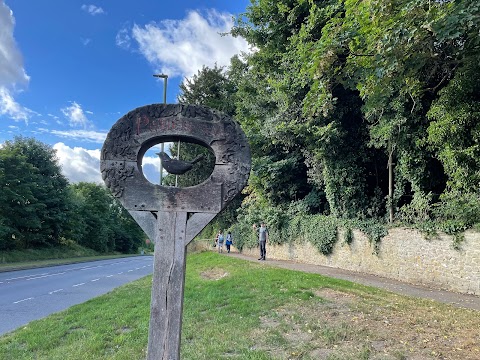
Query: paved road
[[28, 295]]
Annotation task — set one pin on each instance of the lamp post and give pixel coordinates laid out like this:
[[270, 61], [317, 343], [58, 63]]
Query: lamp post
[[162, 146]]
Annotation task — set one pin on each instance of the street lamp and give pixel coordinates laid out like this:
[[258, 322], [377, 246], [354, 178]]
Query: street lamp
[[165, 79], [162, 147]]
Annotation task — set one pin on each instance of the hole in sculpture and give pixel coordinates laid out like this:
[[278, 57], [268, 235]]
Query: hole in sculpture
[[184, 164]]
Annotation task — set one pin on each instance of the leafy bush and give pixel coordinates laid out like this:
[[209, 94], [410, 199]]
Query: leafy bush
[[374, 230], [418, 210], [464, 208], [320, 230], [348, 236]]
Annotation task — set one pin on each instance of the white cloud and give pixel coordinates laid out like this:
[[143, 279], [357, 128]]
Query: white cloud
[[182, 47], [12, 73], [85, 135], [79, 164], [76, 115], [9, 107], [123, 38], [11, 62], [92, 9]]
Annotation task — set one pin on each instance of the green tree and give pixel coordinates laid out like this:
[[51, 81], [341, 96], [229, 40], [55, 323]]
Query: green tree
[[36, 203], [93, 208], [100, 222], [398, 55], [18, 213], [209, 87], [126, 233], [327, 141]]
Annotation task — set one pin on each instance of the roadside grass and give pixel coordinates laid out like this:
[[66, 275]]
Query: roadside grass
[[32, 258], [57, 252], [242, 310]]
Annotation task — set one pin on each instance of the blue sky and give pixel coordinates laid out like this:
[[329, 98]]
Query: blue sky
[[70, 69]]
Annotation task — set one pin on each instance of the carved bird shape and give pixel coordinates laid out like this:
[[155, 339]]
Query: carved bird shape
[[177, 167]]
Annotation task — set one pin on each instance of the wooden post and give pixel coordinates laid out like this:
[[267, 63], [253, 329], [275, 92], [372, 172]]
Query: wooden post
[[172, 216], [167, 288]]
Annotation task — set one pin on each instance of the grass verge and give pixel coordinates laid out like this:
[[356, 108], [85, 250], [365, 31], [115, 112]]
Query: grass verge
[[242, 310], [32, 258]]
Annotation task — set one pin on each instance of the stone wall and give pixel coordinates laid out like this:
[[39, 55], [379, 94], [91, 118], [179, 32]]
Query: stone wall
[[404, 255]]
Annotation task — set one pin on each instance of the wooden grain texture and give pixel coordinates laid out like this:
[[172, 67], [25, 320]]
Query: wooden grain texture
[[171, 216], [167, 288]]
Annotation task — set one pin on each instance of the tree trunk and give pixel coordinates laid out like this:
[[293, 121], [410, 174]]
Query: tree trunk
[[390, 184]]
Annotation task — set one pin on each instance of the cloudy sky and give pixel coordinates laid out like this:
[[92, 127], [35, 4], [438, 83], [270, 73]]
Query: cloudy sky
[[70, 69]]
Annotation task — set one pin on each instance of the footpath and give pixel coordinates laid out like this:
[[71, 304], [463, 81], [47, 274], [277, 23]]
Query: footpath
[[448, 297]]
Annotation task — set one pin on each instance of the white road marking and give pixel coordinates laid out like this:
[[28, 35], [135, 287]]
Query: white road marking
[[41, 277], [94, 280], [91, 267], [79, 284], [23, 277], [19, 301], [120, 273], [54, 291], [137, 268], [129, 270], [109, 276]]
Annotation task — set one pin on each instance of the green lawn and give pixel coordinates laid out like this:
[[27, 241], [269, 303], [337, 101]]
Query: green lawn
[[242, 310]]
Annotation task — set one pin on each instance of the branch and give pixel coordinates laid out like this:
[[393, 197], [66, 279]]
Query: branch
[[362, 54], [433, 89], [414, 103]]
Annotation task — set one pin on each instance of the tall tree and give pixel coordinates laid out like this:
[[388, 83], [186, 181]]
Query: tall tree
[[398, 55], [209, 87], [98, 221], [325, 133], [18, 211], [93, 209], [39, 193]]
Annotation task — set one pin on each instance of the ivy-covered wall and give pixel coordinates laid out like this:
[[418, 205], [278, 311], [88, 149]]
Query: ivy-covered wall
[[403, 254]]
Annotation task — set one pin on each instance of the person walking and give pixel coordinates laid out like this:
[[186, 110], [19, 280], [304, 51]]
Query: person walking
[[220, 240], [228, 241], [262, 240]]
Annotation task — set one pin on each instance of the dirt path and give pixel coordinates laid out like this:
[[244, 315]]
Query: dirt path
[[456, 299]]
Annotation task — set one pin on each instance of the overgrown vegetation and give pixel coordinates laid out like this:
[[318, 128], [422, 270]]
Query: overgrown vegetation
[[61, 252], [358, 110], [41, 210], [255, 312], [287, 228]]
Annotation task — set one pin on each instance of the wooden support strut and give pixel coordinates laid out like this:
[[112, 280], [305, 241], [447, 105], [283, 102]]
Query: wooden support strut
[[167, 288]]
